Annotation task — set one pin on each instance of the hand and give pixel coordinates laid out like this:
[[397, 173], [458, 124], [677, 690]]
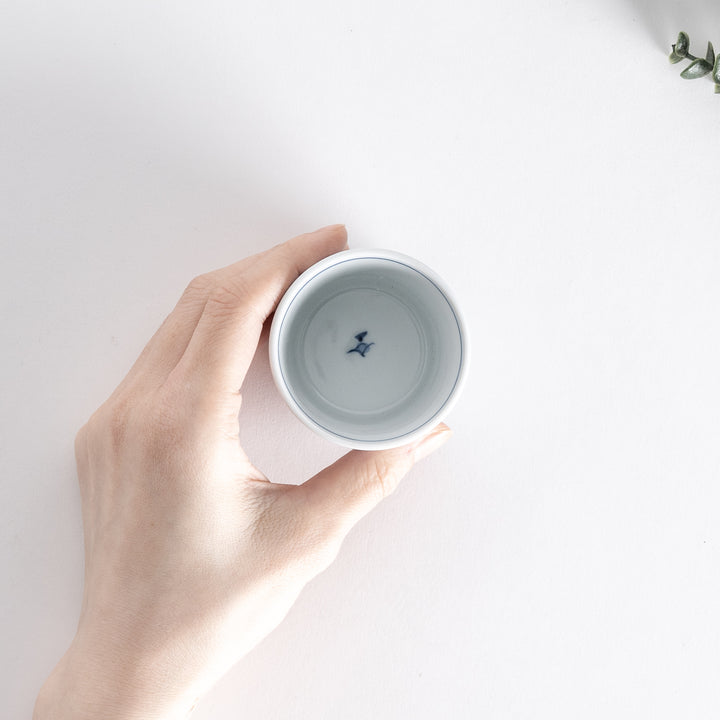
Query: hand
[[191, 555]]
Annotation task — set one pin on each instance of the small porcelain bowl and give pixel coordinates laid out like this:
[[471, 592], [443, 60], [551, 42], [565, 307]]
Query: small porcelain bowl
[[369, 349]]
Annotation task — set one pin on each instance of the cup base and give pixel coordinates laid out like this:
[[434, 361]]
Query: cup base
[[364, 352]]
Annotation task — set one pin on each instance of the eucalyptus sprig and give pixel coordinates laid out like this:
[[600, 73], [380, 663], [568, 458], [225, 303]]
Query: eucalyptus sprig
[[699, 67]]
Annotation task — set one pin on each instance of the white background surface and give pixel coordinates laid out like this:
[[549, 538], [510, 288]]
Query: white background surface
[[560, 557]]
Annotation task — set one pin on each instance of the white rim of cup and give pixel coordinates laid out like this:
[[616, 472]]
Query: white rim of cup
[[290, 295]]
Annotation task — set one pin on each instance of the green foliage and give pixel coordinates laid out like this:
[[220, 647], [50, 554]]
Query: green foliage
[[698, 67], [681, 48], [710, 55]]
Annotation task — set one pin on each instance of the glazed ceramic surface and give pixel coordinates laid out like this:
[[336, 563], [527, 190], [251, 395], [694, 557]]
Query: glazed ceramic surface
[[369, 348]]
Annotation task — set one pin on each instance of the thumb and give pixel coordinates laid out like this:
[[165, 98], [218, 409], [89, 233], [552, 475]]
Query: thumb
[[341, 494]]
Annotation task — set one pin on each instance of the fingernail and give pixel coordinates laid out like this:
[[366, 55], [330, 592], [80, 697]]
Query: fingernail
[[328, 228], [430, 443]]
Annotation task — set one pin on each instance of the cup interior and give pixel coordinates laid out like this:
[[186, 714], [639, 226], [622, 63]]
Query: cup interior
[[369, 349]]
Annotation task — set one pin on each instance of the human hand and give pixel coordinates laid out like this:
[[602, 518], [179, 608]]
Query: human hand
[[192, 555]]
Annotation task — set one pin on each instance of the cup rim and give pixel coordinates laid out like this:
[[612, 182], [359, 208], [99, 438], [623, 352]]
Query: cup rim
[[294, 290]]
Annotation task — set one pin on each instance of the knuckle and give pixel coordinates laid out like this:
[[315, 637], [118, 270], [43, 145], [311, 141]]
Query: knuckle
[[114, 426], [231, 296], [231, 291], [290, 257], [109, 424], [381, 478], [200, 286], [118, 422]]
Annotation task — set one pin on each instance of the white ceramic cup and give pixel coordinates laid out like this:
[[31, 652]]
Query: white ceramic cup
[[369, 349]]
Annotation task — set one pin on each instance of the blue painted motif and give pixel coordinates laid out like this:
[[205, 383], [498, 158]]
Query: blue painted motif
[[362, 347]]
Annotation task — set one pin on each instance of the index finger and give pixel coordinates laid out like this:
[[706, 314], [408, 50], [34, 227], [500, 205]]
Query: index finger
[[243, 296]]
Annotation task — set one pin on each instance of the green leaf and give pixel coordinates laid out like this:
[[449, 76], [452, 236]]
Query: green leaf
[[717, 87], [710, 55], [674, 57], [682, 46], [716, 70], [696, 69]]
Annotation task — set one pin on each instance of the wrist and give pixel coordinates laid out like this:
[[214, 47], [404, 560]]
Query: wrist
[[103, 685]]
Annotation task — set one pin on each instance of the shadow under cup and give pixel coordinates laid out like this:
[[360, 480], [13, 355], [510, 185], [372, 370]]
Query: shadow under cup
[[368, 349]]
